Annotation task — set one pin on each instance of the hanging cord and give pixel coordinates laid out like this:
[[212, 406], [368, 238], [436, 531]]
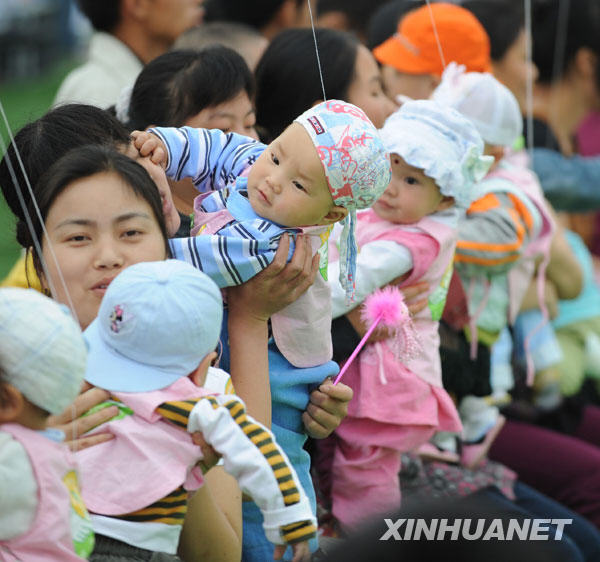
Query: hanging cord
[[529, 79], [36, 242], [560, 48], [437, 37], [312, 25], [28, 218]]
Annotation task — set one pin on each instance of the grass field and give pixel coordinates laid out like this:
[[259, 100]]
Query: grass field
[[24, 101]]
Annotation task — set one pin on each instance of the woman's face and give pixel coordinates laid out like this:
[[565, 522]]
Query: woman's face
[[233, 116], [366, 89], [514, 68], [96, 227]]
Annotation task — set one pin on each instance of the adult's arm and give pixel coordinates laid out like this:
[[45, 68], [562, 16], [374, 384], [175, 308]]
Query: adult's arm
[[569, 183], [212, 529]]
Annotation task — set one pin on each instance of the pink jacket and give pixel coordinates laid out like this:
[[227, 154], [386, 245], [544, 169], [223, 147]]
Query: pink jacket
[[61, 529], [147, 469], [436, 270]]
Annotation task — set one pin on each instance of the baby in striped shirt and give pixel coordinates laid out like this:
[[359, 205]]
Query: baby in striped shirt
[[319, 171], [151, 346]]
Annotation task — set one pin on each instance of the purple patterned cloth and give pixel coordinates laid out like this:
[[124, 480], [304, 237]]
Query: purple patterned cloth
[[443, 480]]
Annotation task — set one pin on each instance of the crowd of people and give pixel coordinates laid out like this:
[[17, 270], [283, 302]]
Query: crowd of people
[[206, 212]]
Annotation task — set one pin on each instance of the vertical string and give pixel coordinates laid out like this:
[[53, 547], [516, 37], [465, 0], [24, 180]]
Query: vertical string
[[312, 25], [529, 79], [435, 32], [28, 219], [560, 47]]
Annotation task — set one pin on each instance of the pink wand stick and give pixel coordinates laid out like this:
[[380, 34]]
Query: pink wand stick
[[384, 305], [360, 345]]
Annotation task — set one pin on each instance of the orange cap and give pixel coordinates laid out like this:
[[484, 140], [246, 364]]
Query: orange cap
[[414, 48]]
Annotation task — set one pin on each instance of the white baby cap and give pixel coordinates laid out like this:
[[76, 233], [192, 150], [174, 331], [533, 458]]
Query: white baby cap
[[440, 141], [490, 105]]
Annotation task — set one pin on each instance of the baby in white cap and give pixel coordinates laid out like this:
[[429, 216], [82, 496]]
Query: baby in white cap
[[437, 159], [42, 364]]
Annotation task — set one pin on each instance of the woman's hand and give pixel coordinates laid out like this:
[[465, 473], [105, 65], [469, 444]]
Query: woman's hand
[[280, 284], [74, 426], [327, 408], [413, 303]]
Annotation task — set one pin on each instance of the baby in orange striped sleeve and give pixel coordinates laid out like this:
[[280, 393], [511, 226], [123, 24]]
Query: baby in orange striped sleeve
[[151, 346]]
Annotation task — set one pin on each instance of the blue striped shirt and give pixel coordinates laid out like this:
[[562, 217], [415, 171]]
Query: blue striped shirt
[[214, 160]]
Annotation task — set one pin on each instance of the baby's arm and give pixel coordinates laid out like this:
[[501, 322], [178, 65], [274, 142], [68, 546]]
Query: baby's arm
[[377, 264], [227, 260], [251, 454], [210, 157]]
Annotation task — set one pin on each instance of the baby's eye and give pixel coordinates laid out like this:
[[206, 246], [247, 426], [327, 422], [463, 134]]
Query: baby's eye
[[410, 180], [299, 185], [275, 159]]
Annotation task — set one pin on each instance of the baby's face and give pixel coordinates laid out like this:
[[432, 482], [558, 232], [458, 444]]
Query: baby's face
[[410, 196], [287, 184]]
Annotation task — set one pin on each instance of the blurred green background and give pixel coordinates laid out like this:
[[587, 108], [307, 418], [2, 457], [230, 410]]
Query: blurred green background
[[24, 100], [40, 42]]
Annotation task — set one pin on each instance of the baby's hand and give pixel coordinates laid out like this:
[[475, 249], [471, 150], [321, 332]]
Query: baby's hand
[[301, 552], [150, 145], [327, 408], [209, 456]]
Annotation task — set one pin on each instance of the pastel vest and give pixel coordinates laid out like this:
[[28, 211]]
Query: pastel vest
[[436, 273], [522, 181], [148, 458], [61, 528], [301, 330]]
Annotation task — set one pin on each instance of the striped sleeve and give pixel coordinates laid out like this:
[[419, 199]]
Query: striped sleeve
[[210, 157], [494, 233], [252, 456], [227, 260]]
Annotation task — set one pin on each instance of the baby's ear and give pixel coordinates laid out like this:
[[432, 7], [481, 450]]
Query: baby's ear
[[335, 215], [199, 375], [12, 403], [445, 203]]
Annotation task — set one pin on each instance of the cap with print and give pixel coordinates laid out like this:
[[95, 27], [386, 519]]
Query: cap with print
[[156, 323]]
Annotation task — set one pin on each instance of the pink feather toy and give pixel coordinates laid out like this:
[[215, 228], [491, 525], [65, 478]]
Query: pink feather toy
[[386, 307]]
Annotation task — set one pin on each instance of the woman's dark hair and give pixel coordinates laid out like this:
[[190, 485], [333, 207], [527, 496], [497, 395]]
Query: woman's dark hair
[[384, 21], [84, 162], [255, 13], [179, 84], [287, 75], [357, 12], [104, 14], [43, 142], [503, 20], [570, 26]]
